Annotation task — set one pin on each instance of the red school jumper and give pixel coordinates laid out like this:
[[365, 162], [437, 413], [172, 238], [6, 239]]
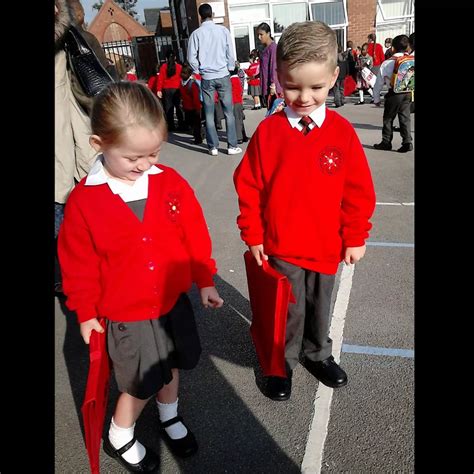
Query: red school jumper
[[124, 269], [165, 82], [190, 96], [306, 198]]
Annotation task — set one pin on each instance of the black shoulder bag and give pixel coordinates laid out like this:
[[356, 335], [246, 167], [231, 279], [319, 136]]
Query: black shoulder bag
[[90, 73]]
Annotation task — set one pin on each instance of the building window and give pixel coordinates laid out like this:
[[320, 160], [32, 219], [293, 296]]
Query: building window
[[331, 13], [242, 43], [286, 14], [248, 13]]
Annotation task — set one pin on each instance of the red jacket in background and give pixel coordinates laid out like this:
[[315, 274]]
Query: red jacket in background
[[153, 83], [253, 70], [190, 96], [237, 90], [165, 82], [378, 56]]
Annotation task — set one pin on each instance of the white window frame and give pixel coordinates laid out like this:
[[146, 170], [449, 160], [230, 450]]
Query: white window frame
[[396, 19], [334, 27]]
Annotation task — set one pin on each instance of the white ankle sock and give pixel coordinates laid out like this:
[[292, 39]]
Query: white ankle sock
[[120, 437], [361, 95], [371, 92], [168, 411]]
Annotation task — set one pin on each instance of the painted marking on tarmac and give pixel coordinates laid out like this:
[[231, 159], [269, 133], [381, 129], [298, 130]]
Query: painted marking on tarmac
[[240, 314], [389, 244], [395, 203], [383, 351], [313, 455]]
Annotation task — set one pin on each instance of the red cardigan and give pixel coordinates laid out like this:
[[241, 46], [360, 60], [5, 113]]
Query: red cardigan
[[237, 90], [165, 82], [190, 96], [306, 198], [124, 269]]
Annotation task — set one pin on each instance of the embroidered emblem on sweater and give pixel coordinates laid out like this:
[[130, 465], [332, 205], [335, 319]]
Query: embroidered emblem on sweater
[[173, 206], [330, 160]]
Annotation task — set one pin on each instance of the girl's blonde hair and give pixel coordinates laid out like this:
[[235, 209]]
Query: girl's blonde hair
[[122, 105], [307, 41]]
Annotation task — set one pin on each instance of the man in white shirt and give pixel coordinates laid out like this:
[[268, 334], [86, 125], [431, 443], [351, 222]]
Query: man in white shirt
[[210, 55]]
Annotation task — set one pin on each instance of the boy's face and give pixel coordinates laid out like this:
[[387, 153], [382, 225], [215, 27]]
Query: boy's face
[[185, 75], [306, 86]]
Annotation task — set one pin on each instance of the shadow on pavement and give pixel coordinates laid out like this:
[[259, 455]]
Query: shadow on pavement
[[231, 439]]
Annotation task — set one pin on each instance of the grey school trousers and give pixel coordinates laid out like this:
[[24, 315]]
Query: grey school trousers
[[309, 319]]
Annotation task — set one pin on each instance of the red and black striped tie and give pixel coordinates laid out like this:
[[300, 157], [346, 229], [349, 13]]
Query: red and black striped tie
[[305, 122]]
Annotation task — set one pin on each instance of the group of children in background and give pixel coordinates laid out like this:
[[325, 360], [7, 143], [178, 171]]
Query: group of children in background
[[180, 92]]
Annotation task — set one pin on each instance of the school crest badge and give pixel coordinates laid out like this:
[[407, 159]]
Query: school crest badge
[[330, 160]]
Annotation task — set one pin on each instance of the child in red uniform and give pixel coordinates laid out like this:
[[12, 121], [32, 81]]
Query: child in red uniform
[[253, 74], [133, 240], [237, 100], [169, 80], [192, 106], [305, 197]]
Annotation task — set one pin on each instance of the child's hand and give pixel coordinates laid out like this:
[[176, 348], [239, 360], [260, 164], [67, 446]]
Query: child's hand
[[258, 253], [159, 94], [354, 254], [210, 297], [87, 327]]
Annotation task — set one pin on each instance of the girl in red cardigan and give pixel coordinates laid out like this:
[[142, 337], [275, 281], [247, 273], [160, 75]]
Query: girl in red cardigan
[[134, 238], [169, 80]]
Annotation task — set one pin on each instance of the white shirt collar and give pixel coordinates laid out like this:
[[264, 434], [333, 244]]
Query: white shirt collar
[[318, 115], [138, 190]]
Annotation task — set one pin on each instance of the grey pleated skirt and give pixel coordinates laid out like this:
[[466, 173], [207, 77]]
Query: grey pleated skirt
[[144, 352]]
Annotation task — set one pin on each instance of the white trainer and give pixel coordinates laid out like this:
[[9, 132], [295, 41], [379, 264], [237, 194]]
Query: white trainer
[[213, 151], [234, 151]]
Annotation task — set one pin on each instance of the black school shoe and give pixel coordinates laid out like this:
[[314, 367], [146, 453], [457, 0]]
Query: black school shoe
[[327, 371], [383, 145], [182, 447], [405, 147], [150, 463], [278, 388]]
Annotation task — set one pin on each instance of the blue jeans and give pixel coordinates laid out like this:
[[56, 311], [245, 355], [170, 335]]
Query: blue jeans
[[223, 87], [58, 217]]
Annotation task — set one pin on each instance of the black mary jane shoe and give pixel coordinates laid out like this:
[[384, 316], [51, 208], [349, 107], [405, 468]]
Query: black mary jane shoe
[[182, 447], [327, 371], [150, 463], [278, 388]]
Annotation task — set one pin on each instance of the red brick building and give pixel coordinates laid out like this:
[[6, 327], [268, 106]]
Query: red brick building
[[113, 23]]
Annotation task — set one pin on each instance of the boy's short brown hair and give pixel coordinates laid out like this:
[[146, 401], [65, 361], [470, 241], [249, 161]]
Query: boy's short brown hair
[[305, 42]]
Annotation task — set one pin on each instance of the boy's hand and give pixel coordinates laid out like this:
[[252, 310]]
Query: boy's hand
[[87, 327], [210, 297], [159, 94], [354, 254], [258, 253]]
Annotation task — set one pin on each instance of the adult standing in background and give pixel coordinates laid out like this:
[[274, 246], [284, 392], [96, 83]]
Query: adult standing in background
[[268, 66], [210, 55], [73, 153]]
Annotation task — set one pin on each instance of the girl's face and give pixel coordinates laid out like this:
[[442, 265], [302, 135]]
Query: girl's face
[[363, 51], [136, 153], [264, 37], [307, 85]]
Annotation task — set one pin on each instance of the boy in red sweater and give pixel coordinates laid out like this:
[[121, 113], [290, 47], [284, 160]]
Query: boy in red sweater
[[133, 240], [306, 196], [192, 106], [237, 101]]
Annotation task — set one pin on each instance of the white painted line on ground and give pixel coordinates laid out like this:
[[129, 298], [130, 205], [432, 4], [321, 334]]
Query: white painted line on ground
[[395, 203], [239, 313], [313, 455]]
